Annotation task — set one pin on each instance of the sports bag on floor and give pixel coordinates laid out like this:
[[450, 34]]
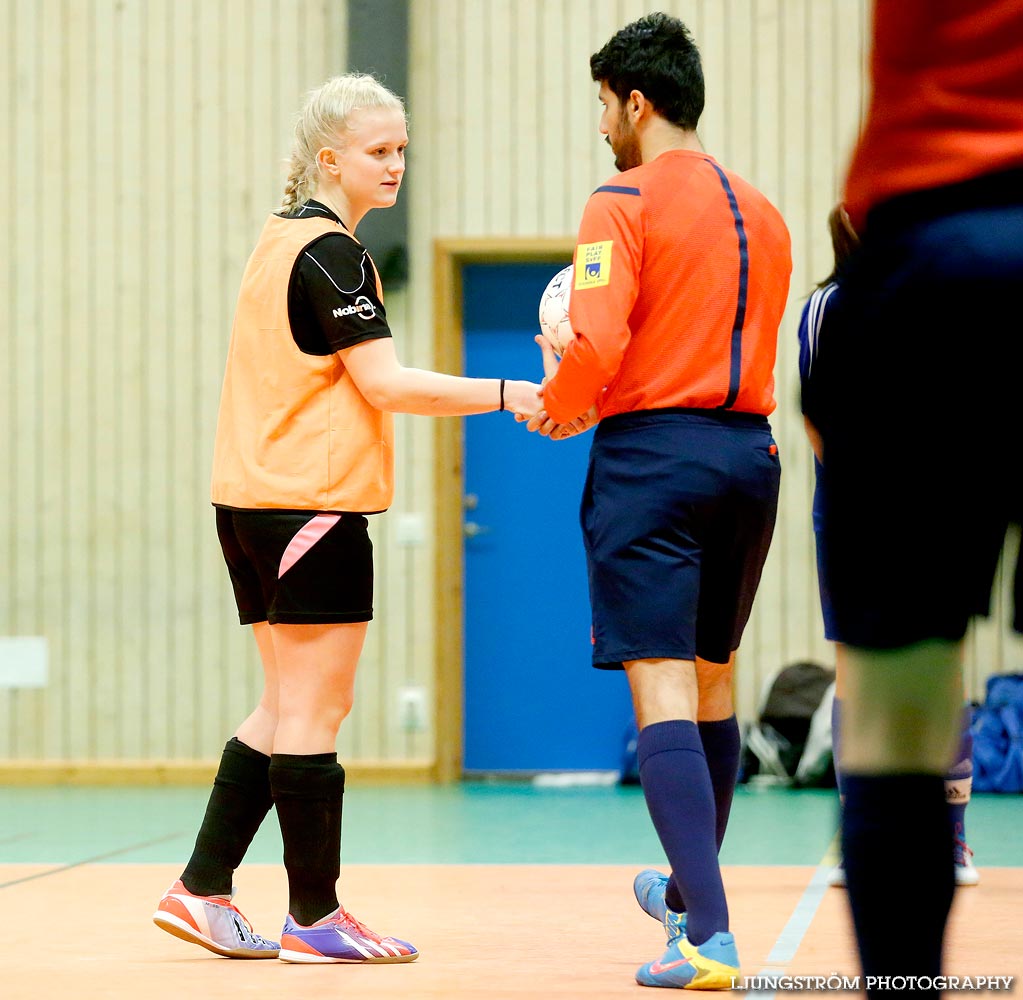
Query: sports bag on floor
[[790, 740], [998, 736]]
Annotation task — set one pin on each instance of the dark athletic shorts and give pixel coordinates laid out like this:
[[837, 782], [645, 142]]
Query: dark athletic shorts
[[677, 515], [298, 567], [917, 397], [827, 607]]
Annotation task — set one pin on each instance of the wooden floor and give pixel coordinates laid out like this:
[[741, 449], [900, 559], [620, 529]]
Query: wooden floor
[[484, 931]]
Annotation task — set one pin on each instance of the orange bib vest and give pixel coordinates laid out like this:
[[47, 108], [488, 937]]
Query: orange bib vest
[[294, 432]]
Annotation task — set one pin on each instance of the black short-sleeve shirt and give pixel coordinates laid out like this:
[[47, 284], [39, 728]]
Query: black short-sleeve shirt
[[332, 295]]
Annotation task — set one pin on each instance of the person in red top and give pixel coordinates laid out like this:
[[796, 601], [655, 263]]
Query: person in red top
[[681, 274], [916, 398]]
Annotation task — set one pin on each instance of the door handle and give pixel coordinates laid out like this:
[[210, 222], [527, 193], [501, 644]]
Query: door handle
[[473, 530]]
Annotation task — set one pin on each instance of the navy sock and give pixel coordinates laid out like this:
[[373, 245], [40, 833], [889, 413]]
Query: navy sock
[[888, 819], [836, 741], [679, 795], [308, 791], [722, 746], [959, 779], [237, 805]]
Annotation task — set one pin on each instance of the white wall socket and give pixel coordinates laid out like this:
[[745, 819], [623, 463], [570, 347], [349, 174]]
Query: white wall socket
[[24, 661], [410, 530], [412, 709]]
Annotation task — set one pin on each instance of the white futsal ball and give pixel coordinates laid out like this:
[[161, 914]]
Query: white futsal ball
[[553, 312]]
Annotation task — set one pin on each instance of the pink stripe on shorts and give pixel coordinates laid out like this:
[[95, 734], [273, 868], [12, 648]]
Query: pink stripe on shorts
[[305, 538]]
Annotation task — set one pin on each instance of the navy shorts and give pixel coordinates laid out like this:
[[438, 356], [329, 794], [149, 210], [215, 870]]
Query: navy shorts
[[827, 607], [677, 514], [918, 402], [298, 567]]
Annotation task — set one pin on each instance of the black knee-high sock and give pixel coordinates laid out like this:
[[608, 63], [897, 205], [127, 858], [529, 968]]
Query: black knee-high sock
[[722, 746], [887, 819], [238, 803], [308, 791]]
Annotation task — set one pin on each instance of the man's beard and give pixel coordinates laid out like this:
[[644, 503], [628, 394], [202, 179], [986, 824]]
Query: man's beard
[[626, 147]]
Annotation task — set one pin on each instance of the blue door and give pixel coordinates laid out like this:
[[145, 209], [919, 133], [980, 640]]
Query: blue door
[[532, 700]]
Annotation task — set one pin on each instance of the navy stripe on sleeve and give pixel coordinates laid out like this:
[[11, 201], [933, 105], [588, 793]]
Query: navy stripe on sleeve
[[735, 368], [616, 189]]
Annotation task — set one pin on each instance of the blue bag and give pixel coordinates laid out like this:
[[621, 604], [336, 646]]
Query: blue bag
[[998, 736]]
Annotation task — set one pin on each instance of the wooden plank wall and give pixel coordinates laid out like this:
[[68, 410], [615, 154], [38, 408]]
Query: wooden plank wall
[[143, 145], [505, 143]]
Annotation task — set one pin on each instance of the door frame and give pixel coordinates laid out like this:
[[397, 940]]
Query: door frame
[[450, 255]]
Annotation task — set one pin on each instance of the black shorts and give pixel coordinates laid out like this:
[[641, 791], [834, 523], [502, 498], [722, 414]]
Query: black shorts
[[677, 514], [298, 567], [918, 403]]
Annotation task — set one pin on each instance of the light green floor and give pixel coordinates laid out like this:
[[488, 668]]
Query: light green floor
[[467, 823]]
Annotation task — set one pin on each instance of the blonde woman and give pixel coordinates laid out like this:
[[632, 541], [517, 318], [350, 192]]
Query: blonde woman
[[303, 454]]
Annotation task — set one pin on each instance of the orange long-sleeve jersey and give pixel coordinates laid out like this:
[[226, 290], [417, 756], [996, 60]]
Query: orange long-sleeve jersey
[[947, 100], [681, 277]]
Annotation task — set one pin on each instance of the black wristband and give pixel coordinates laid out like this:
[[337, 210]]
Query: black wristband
[[502, 395]]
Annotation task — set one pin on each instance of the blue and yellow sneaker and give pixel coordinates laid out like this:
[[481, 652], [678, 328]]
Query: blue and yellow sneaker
[[712, 966], [674, 925], [649, 886]]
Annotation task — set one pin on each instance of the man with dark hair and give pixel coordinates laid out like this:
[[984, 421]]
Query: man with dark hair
[[680, 281], [658, 55]]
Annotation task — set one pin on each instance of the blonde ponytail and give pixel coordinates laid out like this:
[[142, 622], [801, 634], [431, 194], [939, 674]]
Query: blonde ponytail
[[323, 121], [299, 188]]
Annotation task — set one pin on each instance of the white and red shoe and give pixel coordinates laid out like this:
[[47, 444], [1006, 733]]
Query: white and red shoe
[[211, 922]]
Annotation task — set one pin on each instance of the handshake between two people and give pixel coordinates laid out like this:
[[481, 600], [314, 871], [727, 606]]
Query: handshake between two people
[[525, 400]]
